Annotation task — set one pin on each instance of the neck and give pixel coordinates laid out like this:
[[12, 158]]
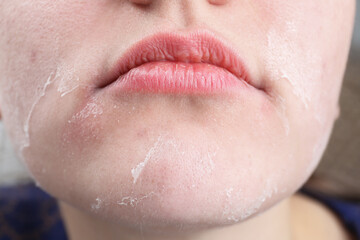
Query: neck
[[275, 223]]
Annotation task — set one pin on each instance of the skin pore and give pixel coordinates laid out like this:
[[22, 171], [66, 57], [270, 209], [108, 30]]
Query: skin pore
[[141, 165]]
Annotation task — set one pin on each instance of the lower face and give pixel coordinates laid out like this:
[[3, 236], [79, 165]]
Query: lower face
[[159, 161]]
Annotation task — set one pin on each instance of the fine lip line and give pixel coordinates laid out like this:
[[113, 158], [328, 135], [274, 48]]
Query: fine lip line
[[201, 46]]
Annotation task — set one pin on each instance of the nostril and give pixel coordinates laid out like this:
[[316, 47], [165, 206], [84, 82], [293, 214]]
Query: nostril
[[141, 2], [218, 2]]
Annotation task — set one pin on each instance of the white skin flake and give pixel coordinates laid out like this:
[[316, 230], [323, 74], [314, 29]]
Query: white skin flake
[[97, 205], [66, 76], [135, 172], [301, 77], [133, 201], [69, 91], [68, 81], [227, 209], [50, 80], [90, 109], [188, 155], [266, 194], [246, 209]]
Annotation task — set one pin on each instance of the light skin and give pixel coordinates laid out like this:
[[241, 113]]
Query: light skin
[[216, 165]]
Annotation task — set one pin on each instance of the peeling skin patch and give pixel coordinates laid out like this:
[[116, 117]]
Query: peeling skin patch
[[301, 78], [68, 81], [135, 172], [266, 194], [246, 209], [133, 201], [90, 109], [50, 80], [62, 76], [97, 205], [204, 163], [227, 209], [229, 191], [69, 91]]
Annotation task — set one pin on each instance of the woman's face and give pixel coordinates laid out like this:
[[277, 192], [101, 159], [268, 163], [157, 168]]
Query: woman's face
[[163, 159]]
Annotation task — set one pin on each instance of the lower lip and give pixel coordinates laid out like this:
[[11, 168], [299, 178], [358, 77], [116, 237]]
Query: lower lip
[[178, 77]]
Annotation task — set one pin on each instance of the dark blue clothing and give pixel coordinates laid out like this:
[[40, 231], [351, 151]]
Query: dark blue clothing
[[28, 213]]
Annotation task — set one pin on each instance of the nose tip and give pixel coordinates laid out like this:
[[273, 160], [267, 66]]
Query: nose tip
[[147, 2]]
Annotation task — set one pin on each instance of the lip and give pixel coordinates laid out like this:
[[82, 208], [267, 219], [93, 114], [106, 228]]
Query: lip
[[166, 56]]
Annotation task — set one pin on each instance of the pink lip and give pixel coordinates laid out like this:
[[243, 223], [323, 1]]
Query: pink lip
[[197, 62]]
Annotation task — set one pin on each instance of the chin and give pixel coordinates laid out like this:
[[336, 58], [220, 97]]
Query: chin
[[175, 184], [161, 167], [167, 200]]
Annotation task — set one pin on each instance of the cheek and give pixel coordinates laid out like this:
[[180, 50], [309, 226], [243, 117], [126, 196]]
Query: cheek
[[310, 69], [30, 45], [83, 127], [305, 72]]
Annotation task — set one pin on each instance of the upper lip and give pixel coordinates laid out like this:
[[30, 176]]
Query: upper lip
[[194, 47]]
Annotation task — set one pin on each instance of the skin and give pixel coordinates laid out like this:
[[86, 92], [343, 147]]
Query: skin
[[234, 156]]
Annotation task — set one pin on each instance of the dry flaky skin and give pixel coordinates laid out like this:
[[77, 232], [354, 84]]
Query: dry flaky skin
[[163, 161]]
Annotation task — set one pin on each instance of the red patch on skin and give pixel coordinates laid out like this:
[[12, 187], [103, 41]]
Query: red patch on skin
[[33, 56], [142, 132], [80, 131]]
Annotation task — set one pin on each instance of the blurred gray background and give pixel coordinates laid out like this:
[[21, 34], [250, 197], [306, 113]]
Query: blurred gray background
[[356, 38], [339, 170]]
